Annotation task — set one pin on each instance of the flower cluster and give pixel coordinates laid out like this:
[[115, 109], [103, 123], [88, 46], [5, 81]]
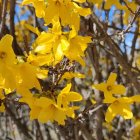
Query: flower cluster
[[60, 42], [52, 56], [118, 105]]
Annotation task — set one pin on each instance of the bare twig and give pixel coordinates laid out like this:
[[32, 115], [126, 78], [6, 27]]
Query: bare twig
[[128, 7], [3, 17], [20, 126], [133, 47], [137, 13], [115, 49], [16, 48]]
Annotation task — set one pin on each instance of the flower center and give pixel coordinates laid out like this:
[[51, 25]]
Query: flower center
[[109, 88], [2, 55]]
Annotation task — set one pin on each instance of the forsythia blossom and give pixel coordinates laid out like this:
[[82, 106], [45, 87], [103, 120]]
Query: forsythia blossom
[[45, 109], [110, 87], [52, 46], [118, 106], [66, 10]]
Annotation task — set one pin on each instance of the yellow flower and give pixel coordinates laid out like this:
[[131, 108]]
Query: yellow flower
[[7, 74], [30, 100], [43, 43], [45, 109], [78, 45], [53, 43], [70, 75], [66, 96], [7, 56], [40, 59], [26, 77], [50, 111], [110, 87], [120, 106], [7, 63], [66, 10], [39, 6], [52, 46]]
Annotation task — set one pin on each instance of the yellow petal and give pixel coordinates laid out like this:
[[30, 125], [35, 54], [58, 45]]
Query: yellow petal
[[93, 101], [34, 112], [6, 52], [111, 113], [70, 111], [72, 33], [126, 113], [125, 100], [43, 43], [82, 11], [60, 100], [60, 116], [108, 98], [101, 86], [45, 115], [40, 59], [44, 102], [39, 6], [32, 29], [56, 26], [136, 98], [42, 73], [80, 1], [70, 75], [64, 43], [66, 89], [74, 96], [118, 108], [118, 89], [112, 78]]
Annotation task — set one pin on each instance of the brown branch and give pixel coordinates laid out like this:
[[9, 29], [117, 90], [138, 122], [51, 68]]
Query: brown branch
[[115, 50], [16, 48], [20, 126], [0, 11], [90, 110], [119, 29], [86, 135], [137, 13], [133, 47], [3, 17], [128, 7], [39, 135]]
